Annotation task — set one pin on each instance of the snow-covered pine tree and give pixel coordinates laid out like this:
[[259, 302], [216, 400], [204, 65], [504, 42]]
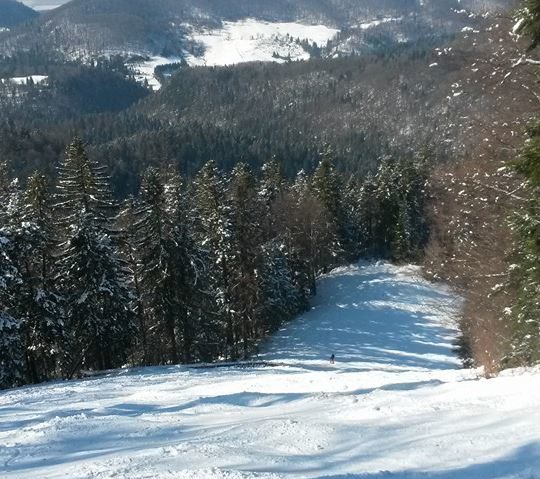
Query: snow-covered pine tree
[[392, 212], [367, 216], [270, 191], [38, 306], [83, 185], [526, 273], [278, 297], [312, 242], [187, 264], [128, 241], [214, 234], [168, 267], [246, 240], [11, 342], [328, 189], [92, 277], [530, 22]]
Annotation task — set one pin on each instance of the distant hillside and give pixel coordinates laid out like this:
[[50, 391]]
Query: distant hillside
[[13, 13], [165, 27]]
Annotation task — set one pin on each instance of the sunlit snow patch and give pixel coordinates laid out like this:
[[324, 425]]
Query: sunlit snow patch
[[25, 80], [145, 70], [252, 40]]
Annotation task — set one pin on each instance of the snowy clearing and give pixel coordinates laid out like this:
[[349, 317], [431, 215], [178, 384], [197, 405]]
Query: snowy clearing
[[395, 405], [253, 40], [24, 80], [146, 70], [243, 41]]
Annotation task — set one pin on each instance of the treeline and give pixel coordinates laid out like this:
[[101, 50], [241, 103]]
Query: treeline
[[186, 271]]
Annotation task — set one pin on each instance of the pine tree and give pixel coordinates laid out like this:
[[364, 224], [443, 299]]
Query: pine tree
[[38, 305], [271, 191], [278, 298], [128, 239], [526, 273], [93, 278], [327, 188], [187, 263], [312, 242], [11, 343], [214, 233], [246, 241], [169, 266], [82, 186]]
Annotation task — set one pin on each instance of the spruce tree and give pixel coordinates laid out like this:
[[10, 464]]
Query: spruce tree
[[39, 306], [11, 343], [327, 189], [214, 233], [128, 240], [526, 272], [246, 241], [93, 277], [168, 266]]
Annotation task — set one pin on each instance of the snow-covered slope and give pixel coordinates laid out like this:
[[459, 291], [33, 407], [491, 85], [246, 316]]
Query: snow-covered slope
[[395, 405]]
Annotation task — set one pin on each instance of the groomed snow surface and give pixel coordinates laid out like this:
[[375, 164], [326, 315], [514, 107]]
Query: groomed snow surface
[[395, 404]]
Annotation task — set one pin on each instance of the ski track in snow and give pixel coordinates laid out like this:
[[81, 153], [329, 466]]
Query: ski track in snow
[[395, 405]]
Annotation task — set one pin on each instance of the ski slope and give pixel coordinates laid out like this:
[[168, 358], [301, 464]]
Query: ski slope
[[394, 406]]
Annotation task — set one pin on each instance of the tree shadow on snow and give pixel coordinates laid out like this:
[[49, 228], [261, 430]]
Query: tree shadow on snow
[[376, 318], [524, 463]]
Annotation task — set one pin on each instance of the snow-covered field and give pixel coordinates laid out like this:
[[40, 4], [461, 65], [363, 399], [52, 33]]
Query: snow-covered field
[[145, 70], [253, 40], [395, 405], [243, 41], [24, 80]]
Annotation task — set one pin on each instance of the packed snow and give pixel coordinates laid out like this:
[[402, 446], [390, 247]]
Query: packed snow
[[254, 40], [395, 405]]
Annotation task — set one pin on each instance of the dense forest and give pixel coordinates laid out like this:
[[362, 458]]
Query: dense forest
[[186, 271], [13, 13]]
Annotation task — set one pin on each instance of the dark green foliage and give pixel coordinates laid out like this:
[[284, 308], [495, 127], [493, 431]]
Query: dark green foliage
[[392, 210], [188, 272], [91, 275], [531, 22], [168, 268], [526, 271]]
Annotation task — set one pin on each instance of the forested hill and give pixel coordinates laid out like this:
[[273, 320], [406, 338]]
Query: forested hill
[[166, 26], [402, 99], [13, 12]]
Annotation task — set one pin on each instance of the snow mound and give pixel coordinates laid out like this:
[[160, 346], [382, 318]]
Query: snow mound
[[395, 405]]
